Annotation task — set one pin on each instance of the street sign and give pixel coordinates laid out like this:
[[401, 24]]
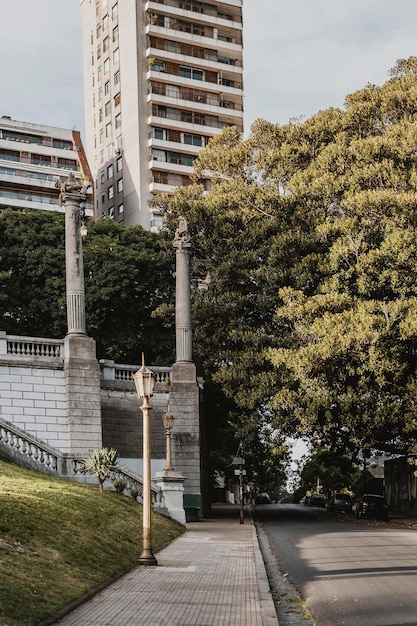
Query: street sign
[[240, 472], [237, 460]]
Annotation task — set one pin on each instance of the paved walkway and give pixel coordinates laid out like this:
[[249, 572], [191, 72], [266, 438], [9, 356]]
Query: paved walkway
[[213, 575]]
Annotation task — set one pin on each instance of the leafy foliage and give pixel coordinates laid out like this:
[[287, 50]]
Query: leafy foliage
[[102, 463], [308, 323], [128, 281]]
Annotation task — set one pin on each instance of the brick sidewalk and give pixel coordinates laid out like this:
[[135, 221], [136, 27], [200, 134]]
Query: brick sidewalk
[[213, 575]]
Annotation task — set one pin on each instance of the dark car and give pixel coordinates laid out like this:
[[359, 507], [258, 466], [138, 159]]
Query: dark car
[[316, 499], [262, 498], [372, 505], [340, 502]]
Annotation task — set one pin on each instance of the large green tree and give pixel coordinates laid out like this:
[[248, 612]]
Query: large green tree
[[128, 280], [308, 322]]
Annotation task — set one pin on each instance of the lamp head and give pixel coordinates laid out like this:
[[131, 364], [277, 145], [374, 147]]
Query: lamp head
[[144, 380]]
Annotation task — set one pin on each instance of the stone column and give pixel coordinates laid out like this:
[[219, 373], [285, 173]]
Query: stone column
[[81, 368], [184, 397], [183, 330]]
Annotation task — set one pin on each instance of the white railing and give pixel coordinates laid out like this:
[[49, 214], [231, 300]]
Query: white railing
[[33, 347], [117, 371], [43, 457]]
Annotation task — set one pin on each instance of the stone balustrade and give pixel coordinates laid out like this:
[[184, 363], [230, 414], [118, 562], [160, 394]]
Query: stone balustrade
[[21, 447]]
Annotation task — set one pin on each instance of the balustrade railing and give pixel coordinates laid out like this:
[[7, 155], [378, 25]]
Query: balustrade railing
[[38, 347], [117, 371], [45, 458]]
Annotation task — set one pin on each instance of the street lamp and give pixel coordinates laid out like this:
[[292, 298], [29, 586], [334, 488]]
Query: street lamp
[[169, 420], [144, 380]]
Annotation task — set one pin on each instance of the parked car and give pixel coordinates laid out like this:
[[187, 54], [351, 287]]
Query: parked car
[[262, 498], [372, 505], [316, 499], [340, 502]]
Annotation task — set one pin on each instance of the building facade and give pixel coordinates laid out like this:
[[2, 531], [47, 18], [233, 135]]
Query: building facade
[[161, 78], [32, 158]]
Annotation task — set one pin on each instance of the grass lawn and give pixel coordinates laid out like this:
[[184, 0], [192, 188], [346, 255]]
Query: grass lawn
[[59, 539]]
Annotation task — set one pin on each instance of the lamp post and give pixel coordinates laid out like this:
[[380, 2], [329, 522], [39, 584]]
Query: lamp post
[[144, 380], [169, 420]]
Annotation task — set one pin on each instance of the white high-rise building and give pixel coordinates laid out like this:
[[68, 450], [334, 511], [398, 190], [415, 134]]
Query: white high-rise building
[[161, 78]]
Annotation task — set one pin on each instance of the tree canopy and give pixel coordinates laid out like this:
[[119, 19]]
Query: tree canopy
[[128, 283], [309, 320]]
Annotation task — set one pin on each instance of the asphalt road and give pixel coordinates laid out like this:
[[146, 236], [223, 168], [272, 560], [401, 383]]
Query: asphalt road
[[349, 572]]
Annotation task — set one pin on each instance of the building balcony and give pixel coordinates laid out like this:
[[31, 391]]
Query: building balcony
[[227, 116], [160, 188], [17, 203], [233, 72], [21, 146], [224, 47], [164, 166], [216, 21], [174, 146], [220, 84], [177, 124]]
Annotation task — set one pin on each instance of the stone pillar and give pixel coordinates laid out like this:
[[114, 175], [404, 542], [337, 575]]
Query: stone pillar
[[72, 195], [184, 397], [172, 486], [183, 330], [81, 368]]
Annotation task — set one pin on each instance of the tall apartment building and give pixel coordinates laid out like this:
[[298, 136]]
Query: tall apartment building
[[32, 158], [161, 77]]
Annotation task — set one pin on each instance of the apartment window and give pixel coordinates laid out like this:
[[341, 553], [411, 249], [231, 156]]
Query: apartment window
[[109, 172], [99, 94], [116, 79], [101, 136], [193, 140], [100, 115], [117, 100], [98, 31], [114, 11], [107, 108], [116, 55], [102, 178], [120, 184], [111, 212], [105, 44], [190, 72], [107, 88], [120, 208], [119, 164], [110, 192], [118, 120], [105, 22], [159, 155], [106, 66], [98, 51], [160, 133], [116, 34], [161, 111], [108, 129], [159, 66], [160, 178], [103, 198], [99, 73]]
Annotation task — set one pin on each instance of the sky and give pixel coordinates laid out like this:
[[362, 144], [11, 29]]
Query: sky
[[300, 56]]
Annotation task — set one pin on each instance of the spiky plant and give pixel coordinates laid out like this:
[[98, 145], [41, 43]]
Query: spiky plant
[[102, 463]]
